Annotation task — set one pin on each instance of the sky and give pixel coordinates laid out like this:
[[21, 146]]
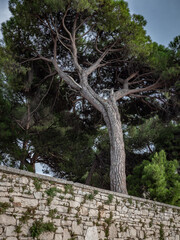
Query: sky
[[4, 12], [163, 17]]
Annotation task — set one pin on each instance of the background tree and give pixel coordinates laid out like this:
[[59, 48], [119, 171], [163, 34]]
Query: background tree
[[157, 180]]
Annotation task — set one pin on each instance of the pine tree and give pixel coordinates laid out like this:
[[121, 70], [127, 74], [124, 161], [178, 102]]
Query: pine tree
[[157, 180]]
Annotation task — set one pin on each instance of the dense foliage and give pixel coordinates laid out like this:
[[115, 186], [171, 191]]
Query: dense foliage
[[157, 179]]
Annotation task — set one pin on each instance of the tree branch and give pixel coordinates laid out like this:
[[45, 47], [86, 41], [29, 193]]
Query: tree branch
[[123, 92], [67, 78], [63, 42], [93, 67], [64, 26], [74, 48], [131, 76]]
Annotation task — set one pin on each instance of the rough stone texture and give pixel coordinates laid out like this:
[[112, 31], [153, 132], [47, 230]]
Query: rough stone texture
[[6, 220], [38, 195], [74, 215], [91, 234], [112, 231], [59, 230], [101, 235], [10, 231], [133, 232], [11, 238], [46, 236], [77, 229], [58, 237], [66, 234]]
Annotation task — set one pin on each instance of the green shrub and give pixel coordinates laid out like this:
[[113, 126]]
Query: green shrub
[[39, 227], [37, 184], [110, 198], [3, 207]]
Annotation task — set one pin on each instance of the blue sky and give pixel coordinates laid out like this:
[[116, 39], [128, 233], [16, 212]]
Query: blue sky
[[4, 12], [163, 17]]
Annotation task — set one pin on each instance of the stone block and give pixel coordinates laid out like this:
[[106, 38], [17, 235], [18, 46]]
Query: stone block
[[102, 213], [74, 204], [3, 190], [59, 230], [89, 224], [93, 213], [124, 209], [57, 222], [102, 235], [80, 238], [103, 197], [4, 199], [106, 207], [7, 220], [58, 237], [55, 201], [73, 211], [24, 180], [66, 234], [61, 209], [42, 207], [10, 231], [46, 236], [99, 204], [46, 219], [38, 195], [26, 202], [11, 238], [92, 233], [77, 229], [84, 211], [112, 231], [112, 208], [132, 232], [141, 234], [5, 184], [145, 212], [66, 223], [24, 229]]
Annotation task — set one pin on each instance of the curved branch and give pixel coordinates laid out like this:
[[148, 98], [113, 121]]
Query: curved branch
[[67, 78], [64, 26], [95, 65]]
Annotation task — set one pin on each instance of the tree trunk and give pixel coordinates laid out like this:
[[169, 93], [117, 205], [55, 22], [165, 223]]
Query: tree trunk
[[117, 169], [112, 118]]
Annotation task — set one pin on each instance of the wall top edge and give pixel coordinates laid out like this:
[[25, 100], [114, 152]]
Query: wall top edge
[[80, 185]]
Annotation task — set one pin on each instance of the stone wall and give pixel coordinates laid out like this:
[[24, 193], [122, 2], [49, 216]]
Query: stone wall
[[34, 206]]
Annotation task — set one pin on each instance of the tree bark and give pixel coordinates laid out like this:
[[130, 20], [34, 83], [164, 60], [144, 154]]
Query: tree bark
[[117, 150], [117, 169]]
